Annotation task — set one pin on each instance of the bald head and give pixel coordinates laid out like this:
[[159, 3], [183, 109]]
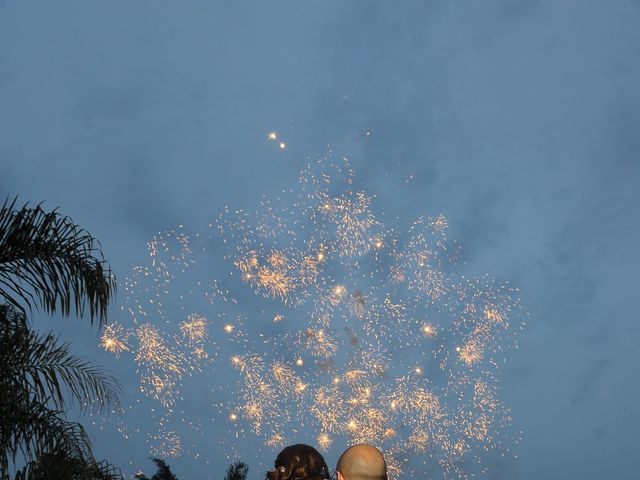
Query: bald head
[[362, 462]]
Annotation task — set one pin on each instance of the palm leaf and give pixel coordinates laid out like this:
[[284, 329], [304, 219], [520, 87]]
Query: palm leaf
[[30, 429], [47, 260], [36, 375], [66, 454], [163, 472], [237, 471], [45, 370], [54, 466]]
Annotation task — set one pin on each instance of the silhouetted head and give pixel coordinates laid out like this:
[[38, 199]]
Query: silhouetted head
[[362, 462], [299, 462]]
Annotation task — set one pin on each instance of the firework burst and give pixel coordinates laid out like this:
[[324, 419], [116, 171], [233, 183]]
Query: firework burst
[[347, 329]]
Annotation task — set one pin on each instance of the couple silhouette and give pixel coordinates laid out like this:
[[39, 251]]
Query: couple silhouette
[[303, 462]]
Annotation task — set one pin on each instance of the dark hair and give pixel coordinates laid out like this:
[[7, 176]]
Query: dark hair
[[299, 462]]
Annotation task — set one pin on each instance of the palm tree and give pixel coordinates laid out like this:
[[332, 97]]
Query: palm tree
[[163, 472], [49, 262], [36, 372], [59, 466], [237, 471]]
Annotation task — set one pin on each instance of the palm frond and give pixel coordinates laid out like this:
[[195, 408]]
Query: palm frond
[[47, 260], [237, 471], [57, 465], [48, 442], [163, 472], [45, 370], [30, 429]]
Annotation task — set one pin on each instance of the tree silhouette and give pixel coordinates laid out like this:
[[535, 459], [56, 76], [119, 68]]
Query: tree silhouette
[[47, 261], [237, 471], [36, 372], [163, 472], [59, 466]]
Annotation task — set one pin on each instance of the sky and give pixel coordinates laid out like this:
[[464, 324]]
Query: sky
[[518, 120]]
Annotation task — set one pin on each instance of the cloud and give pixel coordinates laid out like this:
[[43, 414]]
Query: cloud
[[516, 119], [588, 381]]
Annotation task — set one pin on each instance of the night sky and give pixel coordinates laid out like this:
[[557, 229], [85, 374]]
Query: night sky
[[518, 120]]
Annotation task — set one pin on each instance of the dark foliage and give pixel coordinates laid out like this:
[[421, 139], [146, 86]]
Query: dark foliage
[[36, 374], [46, 260], [237, 471], [58, 466], [163, 472]]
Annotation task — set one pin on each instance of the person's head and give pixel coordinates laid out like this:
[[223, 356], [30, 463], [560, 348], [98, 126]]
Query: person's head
[[299, 462], [361, 462]]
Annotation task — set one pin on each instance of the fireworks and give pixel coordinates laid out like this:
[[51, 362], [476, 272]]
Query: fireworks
[[328, 406], [347, 328], [159, 365], [114, 339], [166, 444], [324, 441], [471, 352], [194, 328], [429, 330]]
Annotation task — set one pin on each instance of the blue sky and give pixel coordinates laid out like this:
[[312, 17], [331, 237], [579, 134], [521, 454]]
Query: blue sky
[[518, 120]]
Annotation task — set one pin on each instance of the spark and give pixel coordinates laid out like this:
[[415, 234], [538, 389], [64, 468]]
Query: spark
[[194, 328], [429, 330], [418, 440], [114, 339], [493, 314], [160, 366], [471, 352], [275, 441], [324, 441], [329, 408], [369, 310], [169, 445], [320, 344], [283, 374]]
